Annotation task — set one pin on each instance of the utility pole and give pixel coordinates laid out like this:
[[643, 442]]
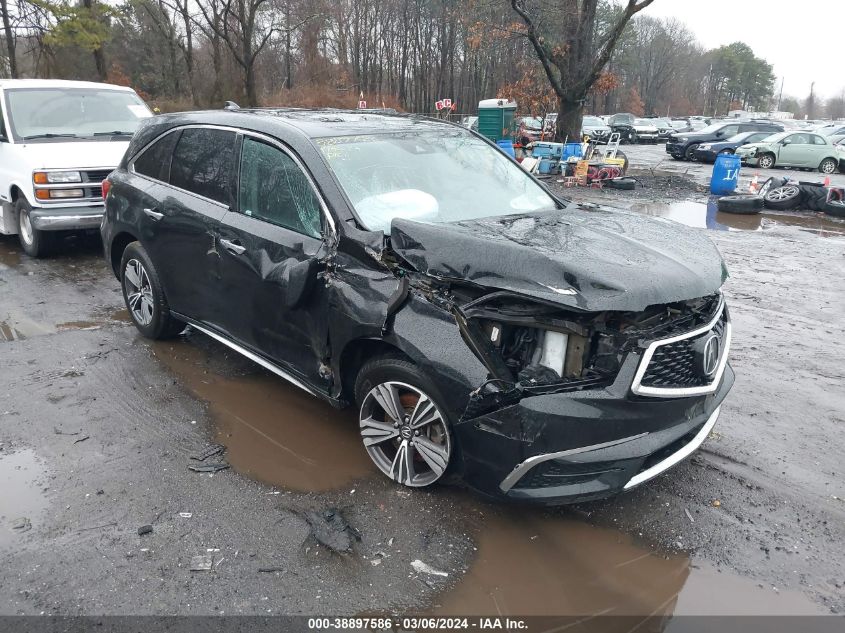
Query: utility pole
[[780, 95]]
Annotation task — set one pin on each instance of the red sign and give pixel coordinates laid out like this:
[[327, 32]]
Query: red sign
[[447, 103], [362, 105], [438, 105]]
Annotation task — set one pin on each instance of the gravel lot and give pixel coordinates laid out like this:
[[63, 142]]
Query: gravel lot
[[98, 426]]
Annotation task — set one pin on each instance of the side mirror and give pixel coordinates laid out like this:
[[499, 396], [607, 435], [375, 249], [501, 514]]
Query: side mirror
[[300, 280]]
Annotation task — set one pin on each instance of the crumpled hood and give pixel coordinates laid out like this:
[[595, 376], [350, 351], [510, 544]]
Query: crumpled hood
[[589, 258]]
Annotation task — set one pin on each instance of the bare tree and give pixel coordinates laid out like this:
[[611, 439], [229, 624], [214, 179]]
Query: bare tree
[[572, 53]]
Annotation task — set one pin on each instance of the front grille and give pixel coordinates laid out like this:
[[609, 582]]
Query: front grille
[[552, 473], [95, 175], [677, 365]]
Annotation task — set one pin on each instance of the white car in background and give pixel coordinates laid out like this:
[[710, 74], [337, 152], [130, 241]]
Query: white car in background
[[58, 142]]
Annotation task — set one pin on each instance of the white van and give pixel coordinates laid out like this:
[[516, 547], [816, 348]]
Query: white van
[[58, 141]]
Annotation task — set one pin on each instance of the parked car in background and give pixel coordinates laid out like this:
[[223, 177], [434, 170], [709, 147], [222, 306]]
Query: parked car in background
[[684, 145], [530, 130], [470, 122], [664, 127], [58, 141], [428, 298], [793, 149], [645, 131], [707, 152], [834, 132], [595, 128]]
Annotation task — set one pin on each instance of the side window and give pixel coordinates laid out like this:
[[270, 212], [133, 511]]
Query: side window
[[273, 188], [204, 162], [729, 130], [798, 139], [155, 160], [817, 140]]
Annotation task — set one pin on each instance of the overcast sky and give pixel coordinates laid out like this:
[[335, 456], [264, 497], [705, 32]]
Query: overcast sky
[[802, 40]]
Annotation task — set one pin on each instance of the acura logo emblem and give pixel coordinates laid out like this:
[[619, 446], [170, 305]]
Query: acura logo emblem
[[710, 355]]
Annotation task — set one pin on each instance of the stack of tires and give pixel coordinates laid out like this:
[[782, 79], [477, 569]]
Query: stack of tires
[[783, 195]]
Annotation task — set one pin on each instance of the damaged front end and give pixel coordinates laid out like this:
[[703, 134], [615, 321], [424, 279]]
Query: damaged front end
[[578, 403]]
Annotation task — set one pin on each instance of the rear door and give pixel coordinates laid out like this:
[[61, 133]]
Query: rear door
[[184, 213], [276, 225], [819, 150]]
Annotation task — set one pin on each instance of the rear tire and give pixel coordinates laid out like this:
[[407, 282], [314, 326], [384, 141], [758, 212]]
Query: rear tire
[[827, 166], [35, 243], [144, 296]]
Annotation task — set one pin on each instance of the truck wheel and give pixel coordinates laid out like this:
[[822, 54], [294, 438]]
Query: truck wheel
[[35, 243]]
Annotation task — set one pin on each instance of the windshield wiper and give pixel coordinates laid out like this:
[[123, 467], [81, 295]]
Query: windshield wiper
[[115, 133], [48, 135]]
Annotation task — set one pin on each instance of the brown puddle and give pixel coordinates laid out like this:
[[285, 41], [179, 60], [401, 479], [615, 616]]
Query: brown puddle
[[532, 562], [10, 252], [21, 500], [706, 215], [273, 432]]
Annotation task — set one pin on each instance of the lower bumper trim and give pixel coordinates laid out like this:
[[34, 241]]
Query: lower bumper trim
[[678, 456], [62, 222]]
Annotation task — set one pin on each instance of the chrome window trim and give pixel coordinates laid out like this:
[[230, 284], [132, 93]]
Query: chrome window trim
[[523, 467], [255, 358], [677, 456], [676, 392], [243, 132]]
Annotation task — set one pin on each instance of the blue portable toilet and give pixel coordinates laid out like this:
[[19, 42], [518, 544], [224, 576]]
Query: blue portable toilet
[[725, 174]]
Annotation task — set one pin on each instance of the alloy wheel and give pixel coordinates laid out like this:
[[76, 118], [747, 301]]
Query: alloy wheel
[[766, 162], [139, 292], [782, 193], [405, 434], [828, 166]]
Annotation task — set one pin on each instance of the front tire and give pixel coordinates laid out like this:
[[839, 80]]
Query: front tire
[[404, 426], [35, 243], [766, 161], [688, 154], [144, 295]]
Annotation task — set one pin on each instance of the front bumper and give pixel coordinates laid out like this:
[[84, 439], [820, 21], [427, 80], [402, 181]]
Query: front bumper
[[675, 149], [66, 218], [704, 155], [647, 136]]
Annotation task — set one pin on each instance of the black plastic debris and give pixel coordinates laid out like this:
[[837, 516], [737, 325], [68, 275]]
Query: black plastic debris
[[270, 570], [208, 468], [214, 449], [331, 529], [145, 529]]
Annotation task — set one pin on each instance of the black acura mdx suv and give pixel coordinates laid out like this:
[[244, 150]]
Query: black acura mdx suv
[[481, 326]]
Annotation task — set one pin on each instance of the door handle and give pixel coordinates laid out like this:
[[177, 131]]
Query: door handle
[[152, 213], [233, 247]]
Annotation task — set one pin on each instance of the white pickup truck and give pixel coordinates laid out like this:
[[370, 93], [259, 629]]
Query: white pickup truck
[[58, 141]]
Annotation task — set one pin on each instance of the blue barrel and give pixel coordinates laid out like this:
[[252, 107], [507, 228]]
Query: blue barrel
[[506, 145], [546, 165], [725, 174]]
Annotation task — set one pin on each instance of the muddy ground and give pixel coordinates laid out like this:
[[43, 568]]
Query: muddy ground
[[98, 428]]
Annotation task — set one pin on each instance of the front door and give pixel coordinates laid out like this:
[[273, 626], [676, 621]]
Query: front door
[[796, 151], [275, 227]]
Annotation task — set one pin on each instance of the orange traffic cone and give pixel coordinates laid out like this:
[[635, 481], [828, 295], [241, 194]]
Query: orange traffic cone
[[827, 181], [752, 188]]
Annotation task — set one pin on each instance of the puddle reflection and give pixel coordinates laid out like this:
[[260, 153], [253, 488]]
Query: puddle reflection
[[707, 216], [21, 500], [272, 431]]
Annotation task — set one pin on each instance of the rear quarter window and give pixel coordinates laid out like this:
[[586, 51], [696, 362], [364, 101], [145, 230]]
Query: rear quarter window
[[154, 162], [204, 163]]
